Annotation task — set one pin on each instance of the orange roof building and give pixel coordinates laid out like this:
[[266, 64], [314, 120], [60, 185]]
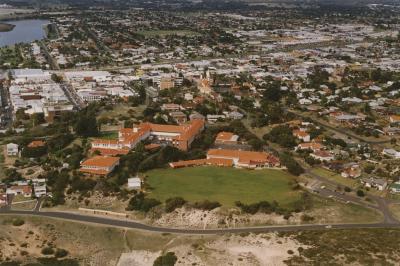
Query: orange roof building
[[178, 136], [245, 159], [99, 165]]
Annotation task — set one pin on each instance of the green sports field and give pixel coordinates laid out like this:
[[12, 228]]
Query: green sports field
[[225, 185]]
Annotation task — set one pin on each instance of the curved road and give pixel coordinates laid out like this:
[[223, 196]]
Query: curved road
[[134, 225]]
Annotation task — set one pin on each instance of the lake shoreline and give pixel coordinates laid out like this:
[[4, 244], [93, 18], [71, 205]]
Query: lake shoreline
[[5, 27]]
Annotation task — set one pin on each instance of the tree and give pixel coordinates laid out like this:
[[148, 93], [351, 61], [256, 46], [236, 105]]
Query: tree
[[86, 126], [360, 193], [168, 259], [293, 167], [173, 203], [56, 78]]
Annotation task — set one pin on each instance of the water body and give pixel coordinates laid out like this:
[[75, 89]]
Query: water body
[[25, 31]]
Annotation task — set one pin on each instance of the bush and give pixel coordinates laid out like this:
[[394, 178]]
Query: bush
[[347, 189], [307, 218], [60, 253], [169, 259], [47, 251], [173, 203], [140, 203], [360, 193], [18, 222], [207, 205]]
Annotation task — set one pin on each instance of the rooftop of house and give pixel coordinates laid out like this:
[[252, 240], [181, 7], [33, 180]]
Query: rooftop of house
[[100, 161]]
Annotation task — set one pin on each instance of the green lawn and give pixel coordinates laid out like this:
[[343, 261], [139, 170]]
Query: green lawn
[[352, 183], [109, 134], [225, 185]]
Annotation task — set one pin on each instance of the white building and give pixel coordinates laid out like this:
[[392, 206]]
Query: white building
[[12, 149], [134, 183]]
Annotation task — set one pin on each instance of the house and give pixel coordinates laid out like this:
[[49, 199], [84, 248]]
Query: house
[[99, 165], [226, 138], [12, 149], [394, 119], [24, 190], [36, 144], [3, 199], [235, 115], [378, 183], [245, 159], [302, 135], [391, 153], [39, 187], [134, 183], [395, 187], [314, 146], [323, 156], [352, 171]]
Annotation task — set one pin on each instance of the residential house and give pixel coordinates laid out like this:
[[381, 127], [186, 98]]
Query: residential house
[[395, 187], [24, 190], [391, 153], [351, 171], [323, 156], [302, 135], [378, 183]]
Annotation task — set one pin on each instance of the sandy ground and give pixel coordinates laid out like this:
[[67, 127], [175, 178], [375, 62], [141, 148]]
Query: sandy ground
[[262, 249], [217, 218]]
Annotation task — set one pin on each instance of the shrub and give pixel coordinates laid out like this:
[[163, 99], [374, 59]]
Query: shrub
[[60, 253], [360, 193], [18, 222], [207, 205], [347, 189], [173, 203], [307, 218], [169, 259], [47, 251], [140, 203]]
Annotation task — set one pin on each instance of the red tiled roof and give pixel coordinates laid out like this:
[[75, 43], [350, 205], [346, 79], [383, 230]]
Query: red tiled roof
[[36, 144], [111, 152], [100, 161]]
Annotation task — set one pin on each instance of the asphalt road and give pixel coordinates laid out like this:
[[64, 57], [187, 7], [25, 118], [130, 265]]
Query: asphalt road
[[134, 225]]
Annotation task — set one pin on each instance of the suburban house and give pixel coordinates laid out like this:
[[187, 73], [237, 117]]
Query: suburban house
[[99, 165], [352, 171], [302, 135], [395, 187], [378, 183], [3, 199], [36, 144], [24, 190], [245, 159], [39, 187], [314, 146], [391, 153], [226, 138], [394, 119], [180, 136], [323, 156], [12, 149]]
